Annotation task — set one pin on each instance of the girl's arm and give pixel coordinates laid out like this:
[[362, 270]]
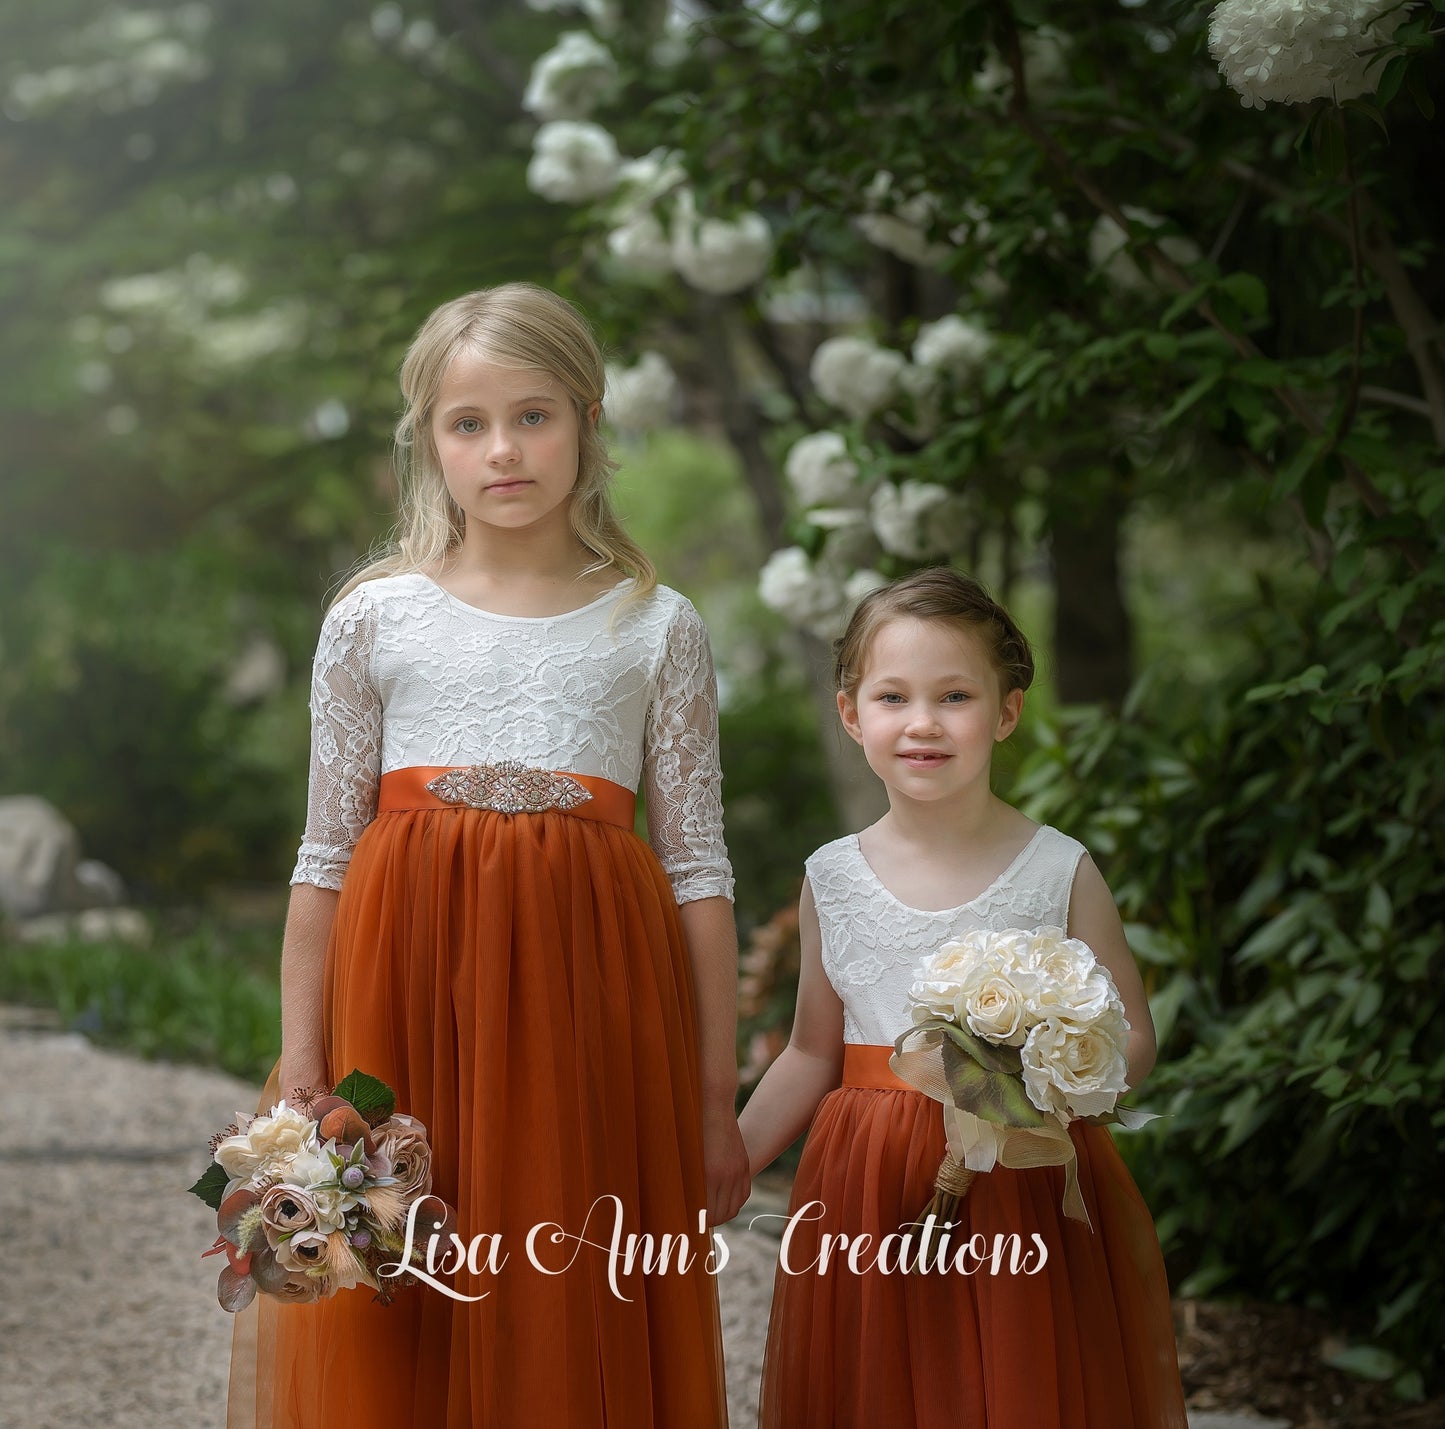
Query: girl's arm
[[341, 797], [712, 949], [1094, 918], [303, 965], [810, 1066]]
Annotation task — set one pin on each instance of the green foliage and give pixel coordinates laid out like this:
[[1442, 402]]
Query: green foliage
[[372, 1098], [200, 997], [1276, 849], [211, 1187]]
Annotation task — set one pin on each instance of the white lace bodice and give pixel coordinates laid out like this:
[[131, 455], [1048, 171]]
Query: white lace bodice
[[406, 673], [872, 943]]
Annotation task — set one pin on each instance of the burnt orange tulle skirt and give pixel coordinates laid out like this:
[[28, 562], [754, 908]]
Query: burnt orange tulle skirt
[[1085, 1343], [522, 982]]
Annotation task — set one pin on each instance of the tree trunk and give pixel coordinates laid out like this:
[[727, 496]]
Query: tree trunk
[[858, 797], [1093, 635]]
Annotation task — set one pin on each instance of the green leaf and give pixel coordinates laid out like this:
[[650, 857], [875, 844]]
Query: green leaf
[[1190, 396], [1365, 1361], [1248, 291], [1390, 79], [211, 1188], [997, 1097], [372, 1098], [988, 1055]]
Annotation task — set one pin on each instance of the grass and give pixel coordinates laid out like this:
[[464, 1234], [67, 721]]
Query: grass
[[209, 996]]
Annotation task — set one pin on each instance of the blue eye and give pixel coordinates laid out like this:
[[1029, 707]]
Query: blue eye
[[462, 426], [541, 415], [961, 696], [889, 695]]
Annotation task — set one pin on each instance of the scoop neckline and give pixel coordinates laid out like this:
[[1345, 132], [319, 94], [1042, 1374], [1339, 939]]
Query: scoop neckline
[[526, 619], [957, 907]]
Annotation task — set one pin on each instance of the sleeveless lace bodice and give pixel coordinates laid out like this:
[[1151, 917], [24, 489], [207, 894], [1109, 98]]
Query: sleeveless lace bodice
[[872, 942], [407, 673]]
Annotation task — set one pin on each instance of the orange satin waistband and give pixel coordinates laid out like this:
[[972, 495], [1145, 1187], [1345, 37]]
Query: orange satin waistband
[[406, 789], [866, 1065]]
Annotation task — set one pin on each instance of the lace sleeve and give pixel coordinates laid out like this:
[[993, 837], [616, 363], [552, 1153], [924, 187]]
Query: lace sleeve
[[345, 742], [680, 768]]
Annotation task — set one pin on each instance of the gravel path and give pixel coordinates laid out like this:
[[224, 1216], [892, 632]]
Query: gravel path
[[109, 1314]]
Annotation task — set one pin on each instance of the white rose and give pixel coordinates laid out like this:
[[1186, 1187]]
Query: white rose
[[1294, 51], [572, 78], [1076, 1071], [856, 375], [266, 1142], [572, 162], [821, 470], [641, 397], [953, 344], [918, 519], [719, 255], [994, 1008], [1108, 250], [946, 977]]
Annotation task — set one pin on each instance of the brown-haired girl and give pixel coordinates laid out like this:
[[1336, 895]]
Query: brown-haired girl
[[551, 996], [931, 676]]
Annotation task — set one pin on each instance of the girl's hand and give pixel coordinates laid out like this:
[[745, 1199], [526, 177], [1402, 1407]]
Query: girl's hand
[[725, 1164]]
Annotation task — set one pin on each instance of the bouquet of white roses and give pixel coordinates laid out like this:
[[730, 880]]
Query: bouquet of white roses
[[314, 1198], [1017, 1033]]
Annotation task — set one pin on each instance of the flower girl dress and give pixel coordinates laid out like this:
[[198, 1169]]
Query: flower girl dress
[[1085, 1343]]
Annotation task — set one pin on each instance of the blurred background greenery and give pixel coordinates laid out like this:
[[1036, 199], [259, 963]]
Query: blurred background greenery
[[1209, 482]]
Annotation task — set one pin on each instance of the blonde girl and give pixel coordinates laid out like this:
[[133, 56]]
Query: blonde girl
[[931, 676], [474, 920]]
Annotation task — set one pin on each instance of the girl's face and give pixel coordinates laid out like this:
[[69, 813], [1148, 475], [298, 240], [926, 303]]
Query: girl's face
[[928, 710], [508, 441]]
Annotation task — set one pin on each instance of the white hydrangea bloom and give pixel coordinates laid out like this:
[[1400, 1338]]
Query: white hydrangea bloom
[[1293, 51], [953, 344], [821, 470], [856, 375], [719, 255], [860, 583], [917, 519], [640, 246], [572, 78], [572, 161], [642, 182], [640, 397], [1046, 65], [1108, 250], [901, 226], [811, 597]]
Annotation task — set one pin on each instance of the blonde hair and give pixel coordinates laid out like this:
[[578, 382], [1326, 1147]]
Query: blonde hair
[[940, 594], [518, 325]]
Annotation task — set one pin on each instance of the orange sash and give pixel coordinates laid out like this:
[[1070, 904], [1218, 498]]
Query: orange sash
[[866, 1065], [406, 789]]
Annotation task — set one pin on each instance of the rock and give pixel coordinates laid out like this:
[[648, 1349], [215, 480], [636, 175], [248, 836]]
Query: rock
[[91, 925], [39, 852], [104, 887]]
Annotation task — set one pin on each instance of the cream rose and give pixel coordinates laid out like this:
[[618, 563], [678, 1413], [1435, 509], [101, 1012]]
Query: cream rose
[[995, 1009], [265, 1143], [305, 1250], [1073, 1071]]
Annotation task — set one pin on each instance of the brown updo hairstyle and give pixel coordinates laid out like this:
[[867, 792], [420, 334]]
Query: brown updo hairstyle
[[941, 594]]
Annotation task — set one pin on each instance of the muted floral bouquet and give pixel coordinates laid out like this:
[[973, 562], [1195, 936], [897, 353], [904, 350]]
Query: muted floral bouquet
[[314, 1197], [1017, 1033]]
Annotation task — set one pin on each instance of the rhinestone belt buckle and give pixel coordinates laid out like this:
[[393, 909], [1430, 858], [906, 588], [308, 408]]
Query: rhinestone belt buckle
[[509, 788]]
